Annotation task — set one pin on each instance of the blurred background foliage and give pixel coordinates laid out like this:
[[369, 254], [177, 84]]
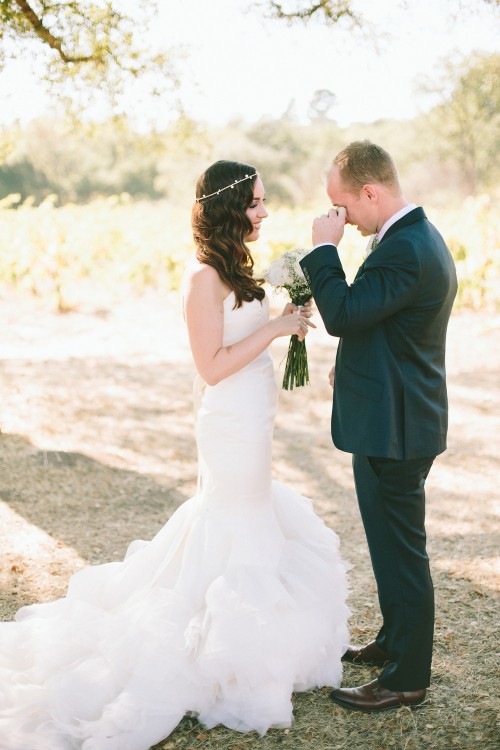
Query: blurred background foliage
[[447, 154], [103, 205]]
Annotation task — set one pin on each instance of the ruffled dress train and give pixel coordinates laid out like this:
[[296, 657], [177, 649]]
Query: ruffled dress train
[[239, 600]]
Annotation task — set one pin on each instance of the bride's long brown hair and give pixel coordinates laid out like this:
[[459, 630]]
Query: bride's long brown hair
[[220, 225]]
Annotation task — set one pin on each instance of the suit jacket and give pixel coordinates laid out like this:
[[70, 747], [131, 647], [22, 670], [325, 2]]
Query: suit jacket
[[390, 381]]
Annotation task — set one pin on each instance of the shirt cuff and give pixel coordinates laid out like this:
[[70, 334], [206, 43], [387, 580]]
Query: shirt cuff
[[321, 244]]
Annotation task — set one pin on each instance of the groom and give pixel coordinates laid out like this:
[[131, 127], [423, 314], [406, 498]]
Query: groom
[[389, 405]]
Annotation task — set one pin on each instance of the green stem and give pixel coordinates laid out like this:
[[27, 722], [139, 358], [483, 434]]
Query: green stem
[[296, 369]]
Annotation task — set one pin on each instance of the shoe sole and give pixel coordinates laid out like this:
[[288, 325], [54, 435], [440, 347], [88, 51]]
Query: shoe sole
[[350, 707]]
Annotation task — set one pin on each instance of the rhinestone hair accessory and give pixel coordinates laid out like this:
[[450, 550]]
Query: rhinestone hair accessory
[[236, 182]]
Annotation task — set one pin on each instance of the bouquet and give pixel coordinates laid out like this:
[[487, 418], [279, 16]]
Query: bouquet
[[286, 273]]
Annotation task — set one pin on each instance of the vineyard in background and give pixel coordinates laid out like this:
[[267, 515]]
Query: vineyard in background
[[113, 247]]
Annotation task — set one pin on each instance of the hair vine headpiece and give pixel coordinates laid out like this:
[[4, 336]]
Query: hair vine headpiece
[[236, 182]]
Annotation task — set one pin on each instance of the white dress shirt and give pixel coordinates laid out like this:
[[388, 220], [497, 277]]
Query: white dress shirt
[[390, 221], [394, 218]]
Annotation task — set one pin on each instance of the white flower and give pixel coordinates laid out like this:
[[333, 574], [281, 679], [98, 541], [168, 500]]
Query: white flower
[[285, 271], [277, 274]]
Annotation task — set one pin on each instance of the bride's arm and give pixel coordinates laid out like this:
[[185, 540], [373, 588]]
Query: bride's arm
[[204, 311]]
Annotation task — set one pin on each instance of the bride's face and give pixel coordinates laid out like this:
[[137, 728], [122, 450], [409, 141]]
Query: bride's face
[[256, 211]]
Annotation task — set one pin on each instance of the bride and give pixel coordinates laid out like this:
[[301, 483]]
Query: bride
[[240, 598]]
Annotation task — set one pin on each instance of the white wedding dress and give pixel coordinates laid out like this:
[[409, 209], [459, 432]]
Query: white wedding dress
[[239, 600]]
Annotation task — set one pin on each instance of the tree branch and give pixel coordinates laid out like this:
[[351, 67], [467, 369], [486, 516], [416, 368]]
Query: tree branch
[[45, 35], [333, 11]]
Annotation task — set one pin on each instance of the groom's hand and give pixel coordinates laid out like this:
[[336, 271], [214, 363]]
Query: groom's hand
[[331, 376], [329, 228]]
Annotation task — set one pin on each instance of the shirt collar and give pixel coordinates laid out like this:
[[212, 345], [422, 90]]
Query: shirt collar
[[394, 218]]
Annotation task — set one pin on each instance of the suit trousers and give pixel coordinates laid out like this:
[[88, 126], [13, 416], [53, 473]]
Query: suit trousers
[[391, 497]]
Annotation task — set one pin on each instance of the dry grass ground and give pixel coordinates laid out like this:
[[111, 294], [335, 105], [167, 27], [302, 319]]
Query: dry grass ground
[[97, 448]]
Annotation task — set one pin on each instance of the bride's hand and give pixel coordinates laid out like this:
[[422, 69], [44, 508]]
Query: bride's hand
[[289, 324], [306, 310]]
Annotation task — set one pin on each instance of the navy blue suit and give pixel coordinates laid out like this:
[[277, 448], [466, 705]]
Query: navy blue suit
[[390, 411]]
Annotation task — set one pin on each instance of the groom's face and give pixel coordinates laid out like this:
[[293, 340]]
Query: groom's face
[[361, 211]]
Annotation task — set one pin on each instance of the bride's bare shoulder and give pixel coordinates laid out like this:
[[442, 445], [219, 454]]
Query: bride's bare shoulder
[[202, 278], [201, 273]]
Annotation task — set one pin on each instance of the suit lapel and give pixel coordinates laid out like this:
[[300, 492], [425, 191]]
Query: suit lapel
[[410, 218], [360, 270]]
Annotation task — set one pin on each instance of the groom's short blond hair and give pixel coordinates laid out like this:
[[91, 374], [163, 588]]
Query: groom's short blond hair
[[362, 163]]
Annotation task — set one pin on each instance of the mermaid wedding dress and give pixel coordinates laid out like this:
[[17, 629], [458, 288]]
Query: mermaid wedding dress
[[239, 600]]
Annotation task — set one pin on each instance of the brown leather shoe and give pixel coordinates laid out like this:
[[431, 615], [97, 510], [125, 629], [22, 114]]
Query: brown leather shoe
[[374, 697], [371, 655]]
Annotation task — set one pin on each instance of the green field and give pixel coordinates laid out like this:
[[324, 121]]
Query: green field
[[115, 247]]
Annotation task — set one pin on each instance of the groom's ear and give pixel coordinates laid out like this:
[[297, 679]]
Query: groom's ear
[[369, 192]]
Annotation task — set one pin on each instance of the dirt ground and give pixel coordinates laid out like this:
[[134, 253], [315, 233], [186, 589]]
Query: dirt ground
[[97, 449]]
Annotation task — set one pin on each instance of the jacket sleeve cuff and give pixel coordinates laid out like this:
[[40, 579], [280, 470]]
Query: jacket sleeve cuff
[[319, 257]]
